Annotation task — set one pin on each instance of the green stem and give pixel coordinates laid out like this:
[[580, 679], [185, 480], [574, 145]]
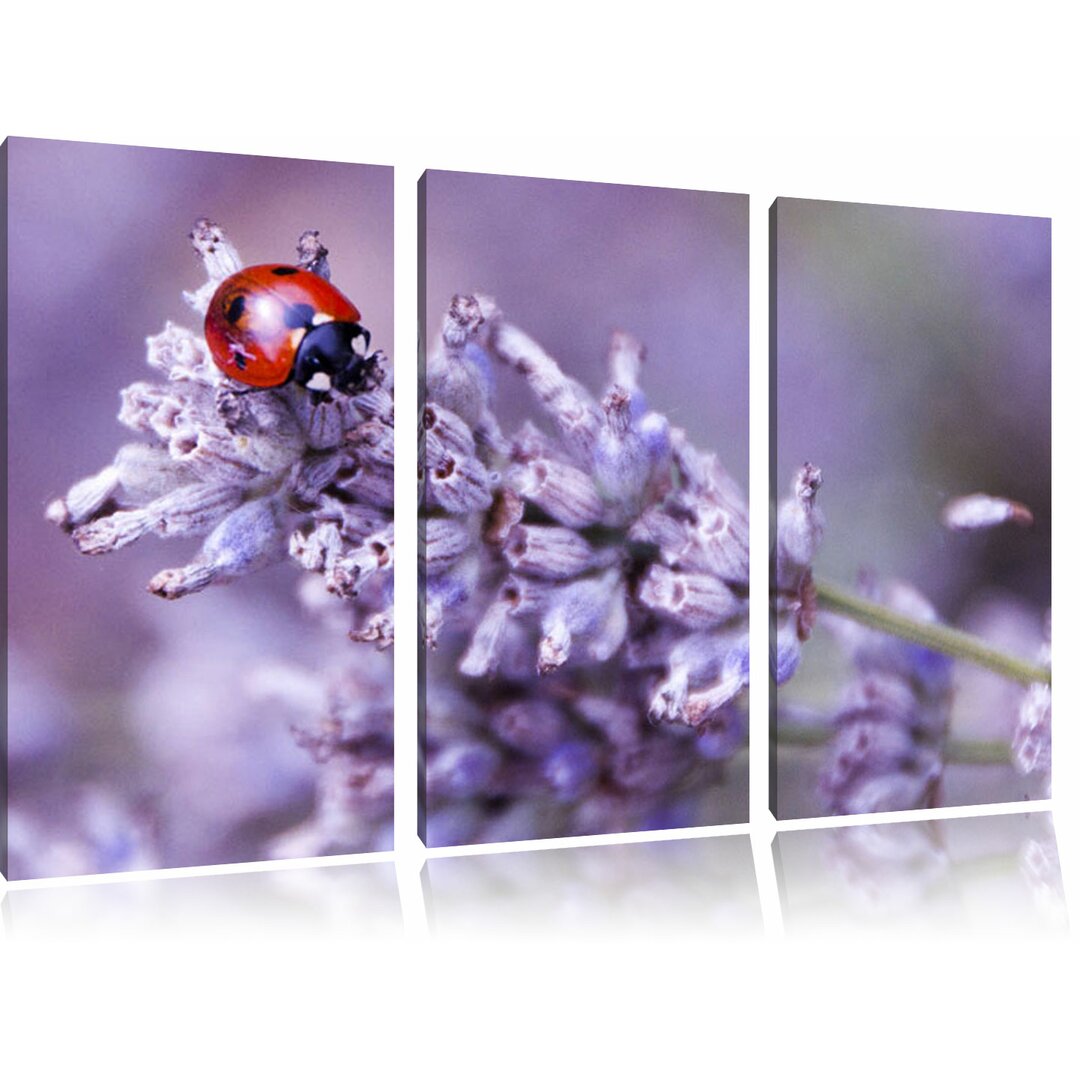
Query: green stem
[[941, 638], [800, 735]]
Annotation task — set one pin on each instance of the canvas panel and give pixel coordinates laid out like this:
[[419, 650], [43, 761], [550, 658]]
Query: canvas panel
[[239, 721]]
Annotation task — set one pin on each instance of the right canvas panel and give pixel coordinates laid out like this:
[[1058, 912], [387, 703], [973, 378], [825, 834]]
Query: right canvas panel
[[910, 471]]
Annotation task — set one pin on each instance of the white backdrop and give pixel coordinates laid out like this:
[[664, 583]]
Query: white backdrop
[[939, 111]]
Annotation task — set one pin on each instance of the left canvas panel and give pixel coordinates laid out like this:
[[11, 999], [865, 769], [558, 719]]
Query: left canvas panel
[[180, 367]]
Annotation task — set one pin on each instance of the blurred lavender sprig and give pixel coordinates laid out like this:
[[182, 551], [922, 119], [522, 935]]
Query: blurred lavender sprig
[[591, 585], [888, 747]]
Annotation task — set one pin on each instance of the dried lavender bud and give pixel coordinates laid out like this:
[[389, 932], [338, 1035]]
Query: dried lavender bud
[[550, 553], [699, 538], [445, 540], [245, 540], [875, 766], [446, 433], [592, 610], [448, 590], [693, 693], [458, 484], [694, 600], [799, 528], [482, 656], [84, 499], [974, 512], [622, 462], [709, 704], [575, 413], [562, 491], [189, 510], [318, 549], [312, 255], [350, 572], [786, 653]]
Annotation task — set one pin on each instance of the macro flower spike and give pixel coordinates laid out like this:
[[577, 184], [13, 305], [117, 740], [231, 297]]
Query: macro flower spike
[[261, 474], [586, 583]]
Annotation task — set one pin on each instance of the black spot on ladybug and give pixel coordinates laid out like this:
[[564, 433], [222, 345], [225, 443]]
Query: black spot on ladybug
[[299, 315], [235, 310], [239, 360], [283, 271]]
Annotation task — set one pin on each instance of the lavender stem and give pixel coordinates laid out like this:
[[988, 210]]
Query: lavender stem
[[940, 638]]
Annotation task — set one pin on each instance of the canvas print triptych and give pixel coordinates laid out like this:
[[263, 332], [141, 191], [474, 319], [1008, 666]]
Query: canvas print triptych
[[199, 349]]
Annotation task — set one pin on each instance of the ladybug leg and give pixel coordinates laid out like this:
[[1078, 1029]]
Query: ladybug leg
[[359, 374], [232, 405]]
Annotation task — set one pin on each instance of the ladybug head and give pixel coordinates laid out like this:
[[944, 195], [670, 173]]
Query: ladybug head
[[334, 355]]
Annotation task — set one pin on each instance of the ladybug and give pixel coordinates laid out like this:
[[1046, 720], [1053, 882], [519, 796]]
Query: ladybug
[[268, 325]]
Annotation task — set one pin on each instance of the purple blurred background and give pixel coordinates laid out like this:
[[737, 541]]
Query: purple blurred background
[[99, 256], [569, 262], [913, 366]]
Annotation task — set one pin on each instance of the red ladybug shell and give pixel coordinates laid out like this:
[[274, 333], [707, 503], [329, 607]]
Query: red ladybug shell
[[259, 316]]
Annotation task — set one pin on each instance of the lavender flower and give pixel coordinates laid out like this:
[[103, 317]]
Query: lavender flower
[[1031, 740], [264, 475], [111, 835], [56, 824], [260, 474], [800, 526], [887, 749], [591, 587]]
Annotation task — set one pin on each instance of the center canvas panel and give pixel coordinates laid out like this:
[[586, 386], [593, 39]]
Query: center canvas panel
[[584, 537]]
